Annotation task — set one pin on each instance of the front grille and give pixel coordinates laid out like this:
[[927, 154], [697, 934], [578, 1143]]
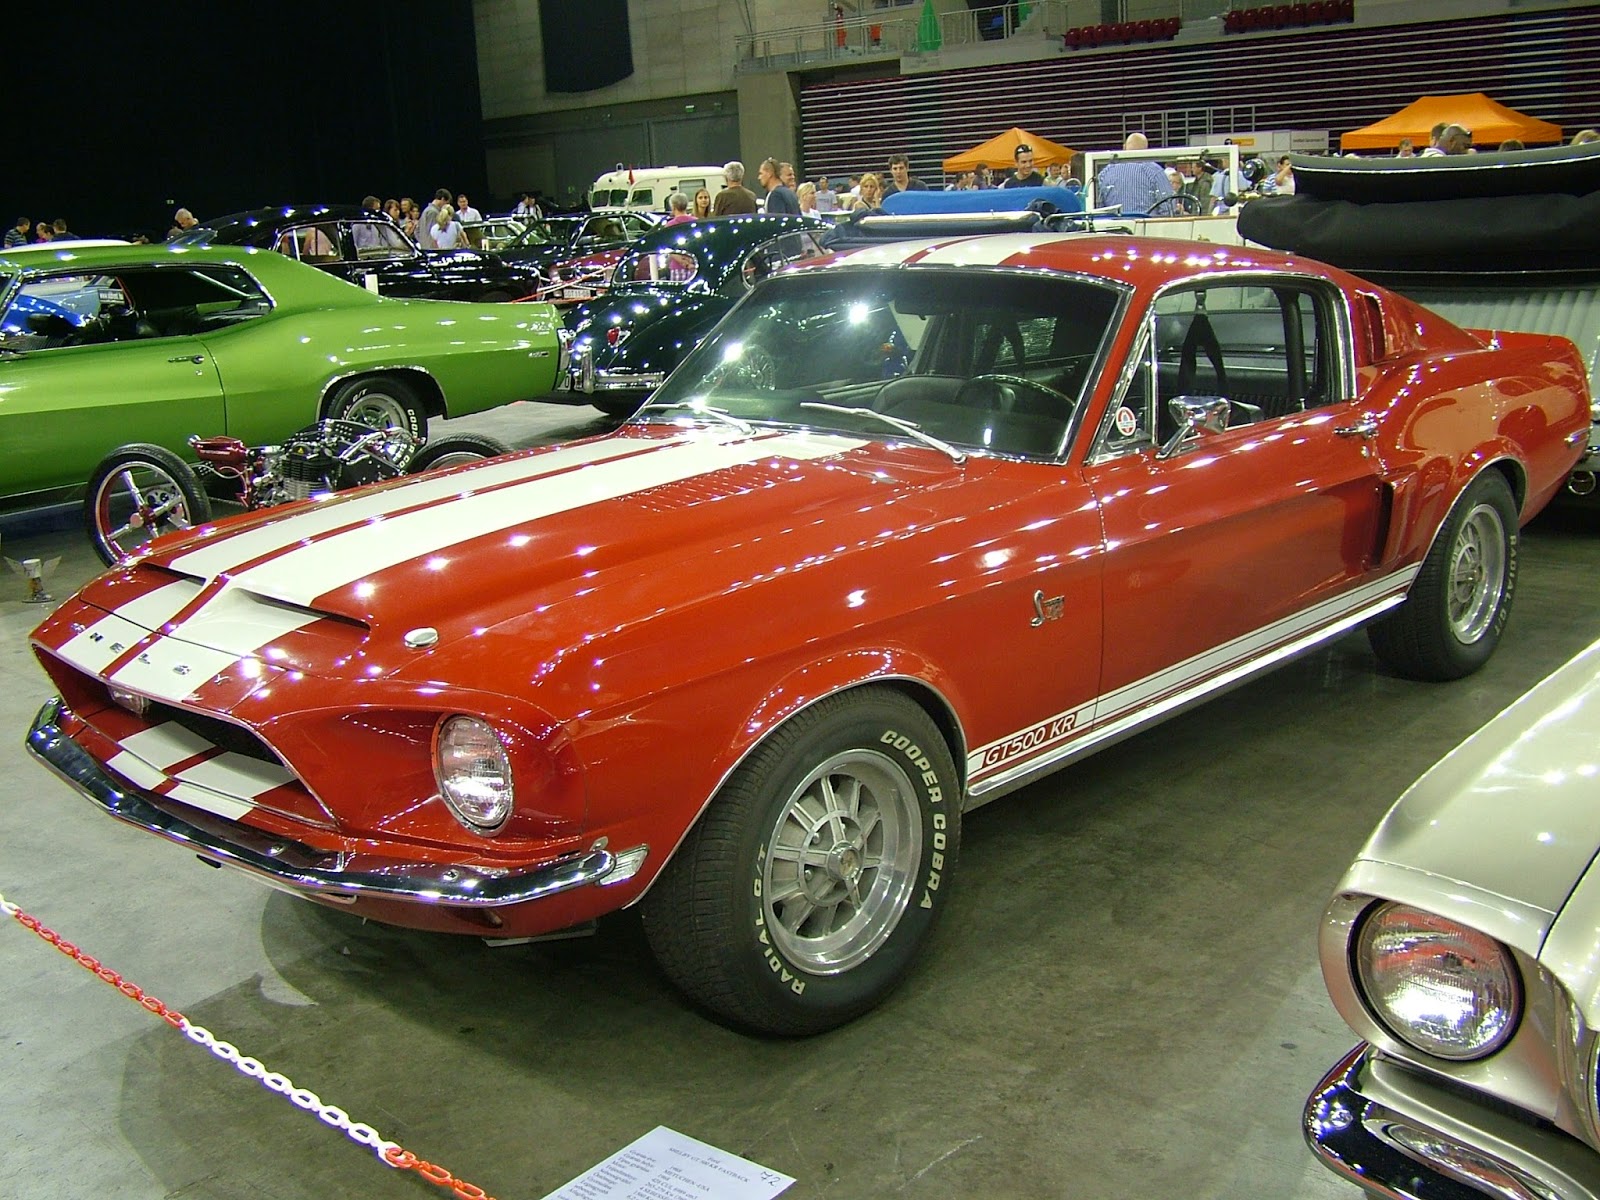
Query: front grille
[[223, 734]]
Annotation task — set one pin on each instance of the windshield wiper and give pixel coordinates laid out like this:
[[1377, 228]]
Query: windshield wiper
[[695, 406], [906, 427]]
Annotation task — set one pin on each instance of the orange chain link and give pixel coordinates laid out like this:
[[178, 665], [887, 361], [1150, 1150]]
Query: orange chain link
[[391, 1154]]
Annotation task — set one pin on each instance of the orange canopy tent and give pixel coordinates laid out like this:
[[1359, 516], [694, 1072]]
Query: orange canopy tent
[[1491, 123], [998, 153]]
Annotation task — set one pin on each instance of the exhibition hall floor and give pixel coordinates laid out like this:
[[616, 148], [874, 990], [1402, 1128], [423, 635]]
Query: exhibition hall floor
[[1123, 1001]]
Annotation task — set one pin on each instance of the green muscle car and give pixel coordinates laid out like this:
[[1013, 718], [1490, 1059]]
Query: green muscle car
[[108, 345]]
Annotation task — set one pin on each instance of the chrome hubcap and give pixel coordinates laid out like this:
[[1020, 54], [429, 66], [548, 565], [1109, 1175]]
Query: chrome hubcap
[[837, 875], [1477, 574]]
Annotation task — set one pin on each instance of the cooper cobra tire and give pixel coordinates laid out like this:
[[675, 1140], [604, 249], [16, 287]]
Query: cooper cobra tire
[[380, 402], [621, 405], [455, 450], [139, 492], [1451, 622], [800, 899]]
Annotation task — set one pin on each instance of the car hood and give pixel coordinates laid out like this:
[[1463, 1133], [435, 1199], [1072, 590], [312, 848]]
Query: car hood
[[1509, 813], [533, 553]]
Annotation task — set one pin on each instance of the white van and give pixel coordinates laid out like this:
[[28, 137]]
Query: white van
[[645, 189]]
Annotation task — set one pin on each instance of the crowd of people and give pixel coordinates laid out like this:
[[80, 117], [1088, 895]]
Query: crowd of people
[[26, 231], [1138, 185]]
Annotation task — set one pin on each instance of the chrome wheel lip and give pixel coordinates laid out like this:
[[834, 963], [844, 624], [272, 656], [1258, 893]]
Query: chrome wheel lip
[[446, 461], [839, 866], [1477, 574], [158, 506]]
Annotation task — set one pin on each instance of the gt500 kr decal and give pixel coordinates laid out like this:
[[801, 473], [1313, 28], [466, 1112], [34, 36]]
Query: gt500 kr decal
[[1184, 681]]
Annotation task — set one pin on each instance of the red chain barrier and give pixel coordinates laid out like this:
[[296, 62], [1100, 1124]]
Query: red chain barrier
[[391, 1154]]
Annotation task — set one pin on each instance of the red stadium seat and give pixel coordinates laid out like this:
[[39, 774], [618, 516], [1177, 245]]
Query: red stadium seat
[[1142, 31], [1174, 24], [1298, 14], [1347, 10], [1097, 35], [1281, 16], [1072, 39], [1233, 22], [1316, 12]]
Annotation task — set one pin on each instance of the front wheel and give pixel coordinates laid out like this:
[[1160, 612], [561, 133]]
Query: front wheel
[[454, 450], [810, 884], [1452, 619], [137, 493], [380, 402]]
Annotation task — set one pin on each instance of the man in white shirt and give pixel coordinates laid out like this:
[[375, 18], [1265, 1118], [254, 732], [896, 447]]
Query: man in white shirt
[[465, 213]]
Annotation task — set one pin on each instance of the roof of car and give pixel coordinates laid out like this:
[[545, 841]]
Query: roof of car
[[1143, 260], [268, 266], [290, 214]]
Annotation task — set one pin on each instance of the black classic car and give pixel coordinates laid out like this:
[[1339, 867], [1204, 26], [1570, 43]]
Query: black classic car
[[669, 290], [369, 250], [555, 239]]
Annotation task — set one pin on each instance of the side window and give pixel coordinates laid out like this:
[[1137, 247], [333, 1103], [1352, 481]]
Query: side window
[[1265, 346], [318, 243], [378, 240], [645, 196], [782, 250]]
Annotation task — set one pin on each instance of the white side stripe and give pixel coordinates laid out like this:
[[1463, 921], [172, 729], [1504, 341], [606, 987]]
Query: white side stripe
[[1074, 726]]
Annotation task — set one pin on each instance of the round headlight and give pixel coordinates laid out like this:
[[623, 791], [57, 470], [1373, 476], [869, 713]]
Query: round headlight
[[474, 773], [1441, 987]]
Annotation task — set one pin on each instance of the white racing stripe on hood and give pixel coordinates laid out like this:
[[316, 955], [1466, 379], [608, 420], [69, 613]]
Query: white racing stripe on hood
[[306, 572], [232, 551], [98, 646], [168, 669]]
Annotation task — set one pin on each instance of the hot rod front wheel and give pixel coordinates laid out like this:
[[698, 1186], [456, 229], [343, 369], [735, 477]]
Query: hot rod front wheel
[[802, 896], [137, 493]]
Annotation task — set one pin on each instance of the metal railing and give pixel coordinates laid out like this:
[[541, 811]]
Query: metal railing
[[900, 31]]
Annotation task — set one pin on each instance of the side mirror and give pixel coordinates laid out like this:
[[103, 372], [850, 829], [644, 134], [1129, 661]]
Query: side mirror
[[1195, 417]]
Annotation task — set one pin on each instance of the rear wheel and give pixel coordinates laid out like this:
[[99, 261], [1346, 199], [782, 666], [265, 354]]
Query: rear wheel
[[1451, 622], [136, 494], [381, 402], [810, 884], [455, 450]]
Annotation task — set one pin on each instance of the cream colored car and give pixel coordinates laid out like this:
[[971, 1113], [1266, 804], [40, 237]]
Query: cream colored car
[[1463, 946]]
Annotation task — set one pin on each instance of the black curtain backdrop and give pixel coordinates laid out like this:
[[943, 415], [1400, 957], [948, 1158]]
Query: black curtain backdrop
[[227, 107], [586, 44]]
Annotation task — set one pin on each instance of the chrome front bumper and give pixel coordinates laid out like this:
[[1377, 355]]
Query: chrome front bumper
[[300, 868], [1391, 1131], [583, 376]]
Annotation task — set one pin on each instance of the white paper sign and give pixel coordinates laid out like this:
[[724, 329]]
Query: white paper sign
[[667, 1165]]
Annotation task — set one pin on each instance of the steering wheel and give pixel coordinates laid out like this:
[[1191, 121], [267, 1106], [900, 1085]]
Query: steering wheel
[[1179, 204], [1012, 394], [754, 368]]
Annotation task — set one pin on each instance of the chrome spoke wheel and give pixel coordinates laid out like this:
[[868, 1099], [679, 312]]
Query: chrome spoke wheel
[[839, 865], [1477, 573], [136, 504]]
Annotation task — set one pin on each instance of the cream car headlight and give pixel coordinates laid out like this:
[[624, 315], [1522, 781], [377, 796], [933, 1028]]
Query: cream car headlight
[[474, 773], [1441, 987]]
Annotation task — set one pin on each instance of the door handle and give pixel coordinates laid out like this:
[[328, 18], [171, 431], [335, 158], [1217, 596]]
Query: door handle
[[1366, 426], [188, 358]]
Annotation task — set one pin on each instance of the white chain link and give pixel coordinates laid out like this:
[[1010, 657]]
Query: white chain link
[[357, 1131]]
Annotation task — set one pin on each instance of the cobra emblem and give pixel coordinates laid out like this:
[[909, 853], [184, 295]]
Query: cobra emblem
[[1047, 608]]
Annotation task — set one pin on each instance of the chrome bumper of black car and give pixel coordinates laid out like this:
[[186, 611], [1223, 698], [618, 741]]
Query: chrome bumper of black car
[[300, 868], [1389, 1130], [584, 376]]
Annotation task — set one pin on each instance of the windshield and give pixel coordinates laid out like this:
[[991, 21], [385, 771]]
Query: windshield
[[986, 361]]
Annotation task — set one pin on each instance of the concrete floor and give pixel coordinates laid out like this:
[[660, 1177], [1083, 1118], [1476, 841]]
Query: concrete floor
[[1124, 1000]]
